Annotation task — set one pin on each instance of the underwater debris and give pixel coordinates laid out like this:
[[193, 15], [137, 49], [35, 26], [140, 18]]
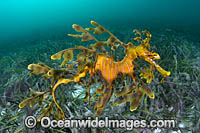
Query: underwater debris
[[99, 64]]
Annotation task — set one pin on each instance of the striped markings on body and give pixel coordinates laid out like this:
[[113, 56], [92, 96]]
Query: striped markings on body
[[109, 69]]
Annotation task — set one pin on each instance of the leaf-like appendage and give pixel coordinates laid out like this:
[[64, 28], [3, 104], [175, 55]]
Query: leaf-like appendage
[[45, 76], [137, 32], [24, 102], [136, 99], [58, 115], [45, 112], [110, 42], [125, 90], [89, 29], [86, 37], [44, 65], [67, 56], [81, 57], [133, 97], [36, 92], [74, 35], [148, 91], [99, 30], [114, 47], [98, 44], [57, 56], [137, 38], [94, 23], [65, 59], [70, 66], [147, 33], [145, 41], [78, 28], [38, 69], [32, 102], [42, 98], [147, 74], [70, 55], [103, 100]]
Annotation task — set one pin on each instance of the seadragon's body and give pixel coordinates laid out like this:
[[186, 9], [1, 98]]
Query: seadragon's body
[[109, 69]]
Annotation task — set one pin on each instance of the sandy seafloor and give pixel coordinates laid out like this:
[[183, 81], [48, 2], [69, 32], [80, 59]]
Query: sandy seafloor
[[177, 98]]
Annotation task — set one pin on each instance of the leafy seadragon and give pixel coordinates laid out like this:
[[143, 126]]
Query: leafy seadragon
[[99, 63]]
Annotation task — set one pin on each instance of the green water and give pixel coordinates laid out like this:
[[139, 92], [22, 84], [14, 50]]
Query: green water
[[32, 30], [36, 19]]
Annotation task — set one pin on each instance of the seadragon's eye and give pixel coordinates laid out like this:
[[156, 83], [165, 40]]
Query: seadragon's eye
[[50, 73], [154, 56]]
